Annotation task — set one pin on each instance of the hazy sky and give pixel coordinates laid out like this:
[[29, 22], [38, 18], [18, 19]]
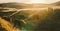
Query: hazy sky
[[29, 1]]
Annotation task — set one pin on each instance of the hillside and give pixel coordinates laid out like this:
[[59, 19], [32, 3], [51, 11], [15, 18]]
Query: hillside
[[56, 3], [15, 5], [22, 5], [33, 17]]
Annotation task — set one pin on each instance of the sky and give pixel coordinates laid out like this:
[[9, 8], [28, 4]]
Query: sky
[[30, 1]]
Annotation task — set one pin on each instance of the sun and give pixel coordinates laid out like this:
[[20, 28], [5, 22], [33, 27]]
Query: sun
[[36, 1]]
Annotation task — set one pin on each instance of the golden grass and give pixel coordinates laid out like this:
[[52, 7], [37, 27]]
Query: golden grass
[[7, 25]]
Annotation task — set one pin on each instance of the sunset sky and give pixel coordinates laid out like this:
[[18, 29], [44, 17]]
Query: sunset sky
[[29, 1]]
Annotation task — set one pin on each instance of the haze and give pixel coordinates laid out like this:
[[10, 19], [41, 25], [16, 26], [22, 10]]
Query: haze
[[30, 1]]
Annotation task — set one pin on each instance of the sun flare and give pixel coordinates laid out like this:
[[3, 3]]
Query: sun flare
[[36, 1], [42, 1]]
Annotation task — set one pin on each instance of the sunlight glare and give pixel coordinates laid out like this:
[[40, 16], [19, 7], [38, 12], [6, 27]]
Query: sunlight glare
[[36, 1]]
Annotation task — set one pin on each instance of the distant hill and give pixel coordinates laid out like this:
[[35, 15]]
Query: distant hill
[[22, 5], [15, 5], [56, 3]]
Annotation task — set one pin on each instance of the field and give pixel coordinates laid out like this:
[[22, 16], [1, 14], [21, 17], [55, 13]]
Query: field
[[37, 18]]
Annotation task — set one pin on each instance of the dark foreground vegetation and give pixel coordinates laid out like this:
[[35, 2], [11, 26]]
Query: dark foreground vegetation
[[50, 23]]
